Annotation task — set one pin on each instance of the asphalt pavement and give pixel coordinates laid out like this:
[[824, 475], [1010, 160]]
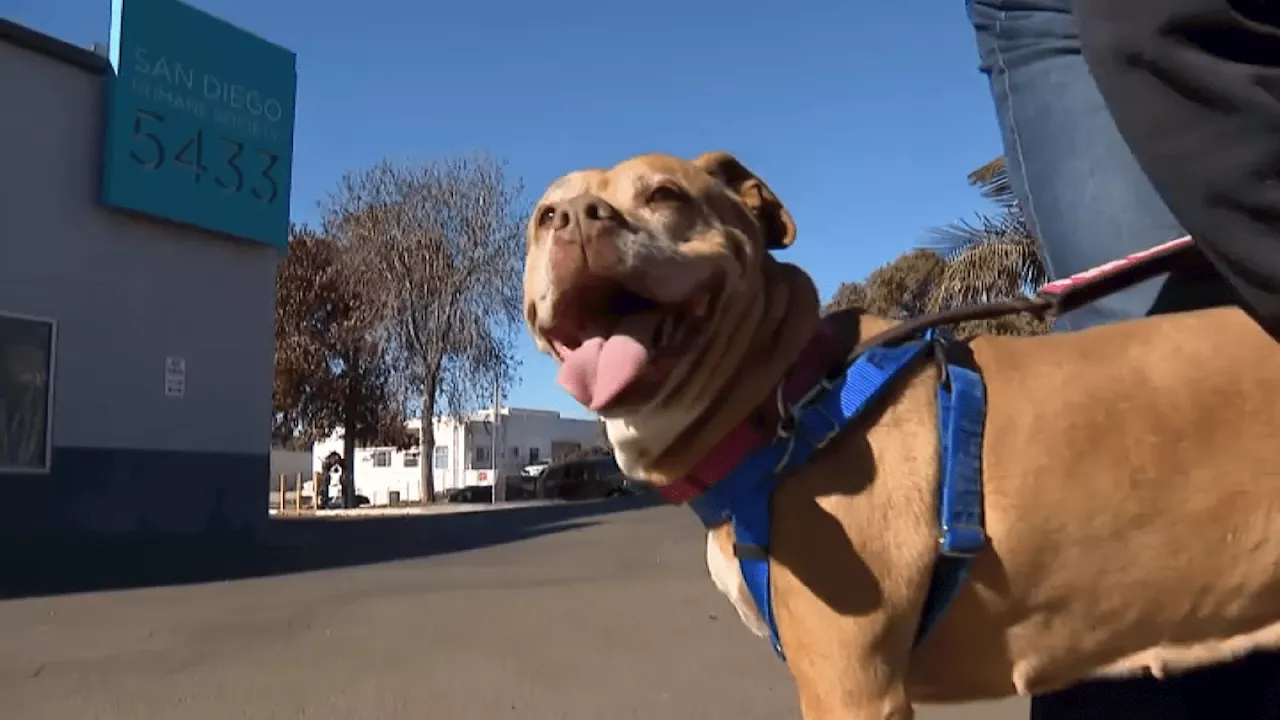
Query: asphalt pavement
[[581, 612]]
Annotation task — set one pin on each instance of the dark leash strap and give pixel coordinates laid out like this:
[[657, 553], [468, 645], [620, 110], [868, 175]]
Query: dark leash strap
[[1055, 298]]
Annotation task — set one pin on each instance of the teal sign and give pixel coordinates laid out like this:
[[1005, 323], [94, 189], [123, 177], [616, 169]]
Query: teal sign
[[199, 126]]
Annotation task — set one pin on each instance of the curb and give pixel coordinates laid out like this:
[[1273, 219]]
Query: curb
[[439, 509]]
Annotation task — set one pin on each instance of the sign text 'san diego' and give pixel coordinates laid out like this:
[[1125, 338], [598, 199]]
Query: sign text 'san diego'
[[199, 126]]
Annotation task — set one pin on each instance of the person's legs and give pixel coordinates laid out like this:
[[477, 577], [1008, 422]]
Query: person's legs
[[1248, 689], [1088, 202], [1194, 88], [1140, 698], [1080, 187]]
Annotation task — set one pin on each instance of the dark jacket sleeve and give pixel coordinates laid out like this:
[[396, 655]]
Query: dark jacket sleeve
[[1194, 86]]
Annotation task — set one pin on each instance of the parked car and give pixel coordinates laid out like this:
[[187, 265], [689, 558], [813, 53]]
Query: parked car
[[483, 493], [534, 469], [585, 479]]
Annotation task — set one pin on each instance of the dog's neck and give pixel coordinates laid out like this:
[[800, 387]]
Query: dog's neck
[[661, 446]]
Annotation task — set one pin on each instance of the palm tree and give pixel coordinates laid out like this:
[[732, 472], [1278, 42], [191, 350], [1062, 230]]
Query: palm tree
[[994, 258], [991, 258]]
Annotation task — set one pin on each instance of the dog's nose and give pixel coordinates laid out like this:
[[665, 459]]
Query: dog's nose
[[586, 211], [584, 237]]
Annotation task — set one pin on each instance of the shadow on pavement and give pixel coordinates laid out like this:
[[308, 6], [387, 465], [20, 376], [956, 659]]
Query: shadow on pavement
[[35, 568]]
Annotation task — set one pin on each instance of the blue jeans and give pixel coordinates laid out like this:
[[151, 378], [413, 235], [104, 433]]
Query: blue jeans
[[1086, 198]]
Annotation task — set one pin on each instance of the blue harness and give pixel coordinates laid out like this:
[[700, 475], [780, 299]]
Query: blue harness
[[744, 497]]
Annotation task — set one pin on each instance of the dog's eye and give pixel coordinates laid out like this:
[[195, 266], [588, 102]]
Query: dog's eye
[[666, 194], [545, 216]]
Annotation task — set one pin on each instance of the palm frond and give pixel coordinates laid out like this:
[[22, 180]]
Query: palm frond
[[954, 238], [992, 181], [989, 271]]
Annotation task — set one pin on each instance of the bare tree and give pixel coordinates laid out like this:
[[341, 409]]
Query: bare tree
[[440, 245]]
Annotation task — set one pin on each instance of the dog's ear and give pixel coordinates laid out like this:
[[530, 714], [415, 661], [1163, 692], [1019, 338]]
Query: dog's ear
[[776, 223]]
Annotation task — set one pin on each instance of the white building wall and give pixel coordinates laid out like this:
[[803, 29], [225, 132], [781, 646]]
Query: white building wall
[[463, 450]]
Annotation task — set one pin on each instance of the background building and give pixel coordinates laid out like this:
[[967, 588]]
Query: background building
[[463, 454], [135, 353]]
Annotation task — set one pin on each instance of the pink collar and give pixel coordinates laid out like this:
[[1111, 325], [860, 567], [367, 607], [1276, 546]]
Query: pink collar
[[760, 427]]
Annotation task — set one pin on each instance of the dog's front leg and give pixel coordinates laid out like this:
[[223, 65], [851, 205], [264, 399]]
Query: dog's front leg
[[847, 642], [845, 668], [826, 697]]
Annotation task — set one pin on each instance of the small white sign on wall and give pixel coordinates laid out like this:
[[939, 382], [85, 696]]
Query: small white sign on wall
[[175, 377]]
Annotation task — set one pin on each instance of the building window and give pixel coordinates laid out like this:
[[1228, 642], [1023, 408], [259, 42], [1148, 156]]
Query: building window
[[382, 458], [440, 457], [411, 459], [560, 450], [27, 349], [480, 458], [533, 455]]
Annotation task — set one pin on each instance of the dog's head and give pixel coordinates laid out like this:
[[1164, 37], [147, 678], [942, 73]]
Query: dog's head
[[640, 277]]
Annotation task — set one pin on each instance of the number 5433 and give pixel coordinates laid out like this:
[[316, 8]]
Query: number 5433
[[232, 171]]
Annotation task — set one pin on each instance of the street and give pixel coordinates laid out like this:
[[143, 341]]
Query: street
[[581, 612]]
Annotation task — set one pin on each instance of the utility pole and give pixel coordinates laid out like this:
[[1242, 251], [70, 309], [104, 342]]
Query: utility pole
[[499, 485]]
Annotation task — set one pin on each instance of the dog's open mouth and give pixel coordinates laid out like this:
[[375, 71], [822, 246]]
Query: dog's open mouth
[[613, 343]]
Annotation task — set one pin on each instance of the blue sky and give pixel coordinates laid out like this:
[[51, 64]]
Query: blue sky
[[863, 117]]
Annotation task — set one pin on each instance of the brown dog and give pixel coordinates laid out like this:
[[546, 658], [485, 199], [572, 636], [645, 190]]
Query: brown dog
[[1132, 472]]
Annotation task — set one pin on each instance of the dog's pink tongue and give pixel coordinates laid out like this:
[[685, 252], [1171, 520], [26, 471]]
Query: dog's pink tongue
[[602, 368]]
